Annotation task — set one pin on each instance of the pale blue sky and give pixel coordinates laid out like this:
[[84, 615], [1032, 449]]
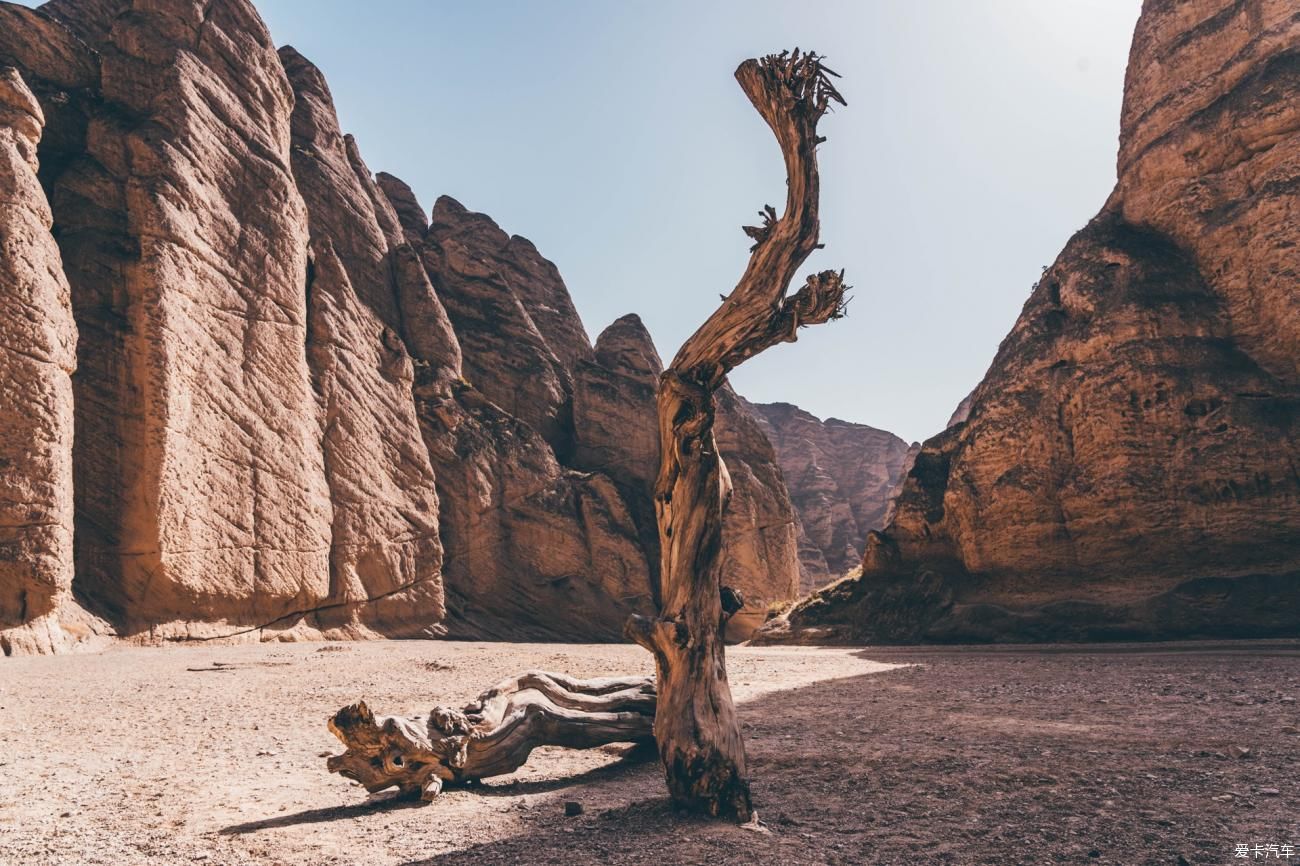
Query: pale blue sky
[[979, 135]]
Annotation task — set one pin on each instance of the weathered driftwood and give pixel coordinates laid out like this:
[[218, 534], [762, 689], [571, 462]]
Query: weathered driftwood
[[491, 736], [696, 726]]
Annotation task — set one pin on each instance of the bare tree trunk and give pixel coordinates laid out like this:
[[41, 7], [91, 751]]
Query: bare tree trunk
[[492, 736], [696, 725]]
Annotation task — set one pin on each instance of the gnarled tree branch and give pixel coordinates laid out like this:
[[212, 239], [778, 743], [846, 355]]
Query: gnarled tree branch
[[491, 736], [696, 726]]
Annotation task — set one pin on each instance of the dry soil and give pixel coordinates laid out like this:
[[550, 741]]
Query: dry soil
[[215, 754]]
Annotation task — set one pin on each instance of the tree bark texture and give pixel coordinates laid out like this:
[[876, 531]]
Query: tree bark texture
[[491, 736], [696, 727]]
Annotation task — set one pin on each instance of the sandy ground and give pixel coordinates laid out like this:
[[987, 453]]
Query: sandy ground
[[214, 755]]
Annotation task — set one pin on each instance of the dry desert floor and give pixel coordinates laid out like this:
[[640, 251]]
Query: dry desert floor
[[210, 754]]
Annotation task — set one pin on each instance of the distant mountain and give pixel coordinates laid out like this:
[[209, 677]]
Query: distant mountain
[[840, 477]]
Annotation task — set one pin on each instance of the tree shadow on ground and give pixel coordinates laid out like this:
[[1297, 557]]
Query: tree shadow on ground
[[627, 817], [319, 816], [634, 756], [964, 759]]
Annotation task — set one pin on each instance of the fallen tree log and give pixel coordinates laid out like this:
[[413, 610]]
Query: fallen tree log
[[492, 736]]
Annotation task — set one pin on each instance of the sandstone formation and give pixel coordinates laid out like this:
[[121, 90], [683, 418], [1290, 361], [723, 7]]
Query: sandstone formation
[[385, 551], [962, 412], [199, 484], [760, 529], [506, 355], [841, 476], [612, 395], [1128, 468], [249, 389], [549, 528], [39, 353]]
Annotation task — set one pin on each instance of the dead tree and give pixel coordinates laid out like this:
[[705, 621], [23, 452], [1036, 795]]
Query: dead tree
[[491, 736], [696, 726]]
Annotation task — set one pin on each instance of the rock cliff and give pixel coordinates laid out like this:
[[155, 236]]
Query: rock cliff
[[615, 394], [578, 550], [39, 341], [841, 476], [1128, 467], [249, 389]]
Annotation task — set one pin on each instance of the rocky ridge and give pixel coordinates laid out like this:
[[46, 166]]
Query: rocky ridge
[[1128, 466], [250, 389]]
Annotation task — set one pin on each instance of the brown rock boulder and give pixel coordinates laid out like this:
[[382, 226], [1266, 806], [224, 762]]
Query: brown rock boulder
[[1128, 468]]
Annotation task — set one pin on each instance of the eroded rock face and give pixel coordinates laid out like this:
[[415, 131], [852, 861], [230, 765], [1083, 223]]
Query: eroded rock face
[[1128, 468], [298, 404], [38, 341], [614, 412], [534, 550], [385, 551], [574, 549], [506, 355], [613, 392], [201, 493], [841, 476], [760, 529]]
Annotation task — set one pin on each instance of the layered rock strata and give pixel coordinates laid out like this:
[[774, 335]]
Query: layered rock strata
[[1128, 467], [251, 390], [841, 477]]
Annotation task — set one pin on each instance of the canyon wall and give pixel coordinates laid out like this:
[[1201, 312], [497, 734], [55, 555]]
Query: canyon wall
[[1129, 468], [250, 389], [841, 477], [580, 523]]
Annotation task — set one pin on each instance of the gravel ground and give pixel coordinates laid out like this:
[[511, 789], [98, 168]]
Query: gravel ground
[[1099, 754]]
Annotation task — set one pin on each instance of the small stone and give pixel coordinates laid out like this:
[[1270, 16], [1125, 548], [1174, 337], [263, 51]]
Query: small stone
[[572, 808], [65, 814], [1285, 700], [1094, 853], [1240, 700], [1239, 752], [1290, 729], [1269, 792]]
